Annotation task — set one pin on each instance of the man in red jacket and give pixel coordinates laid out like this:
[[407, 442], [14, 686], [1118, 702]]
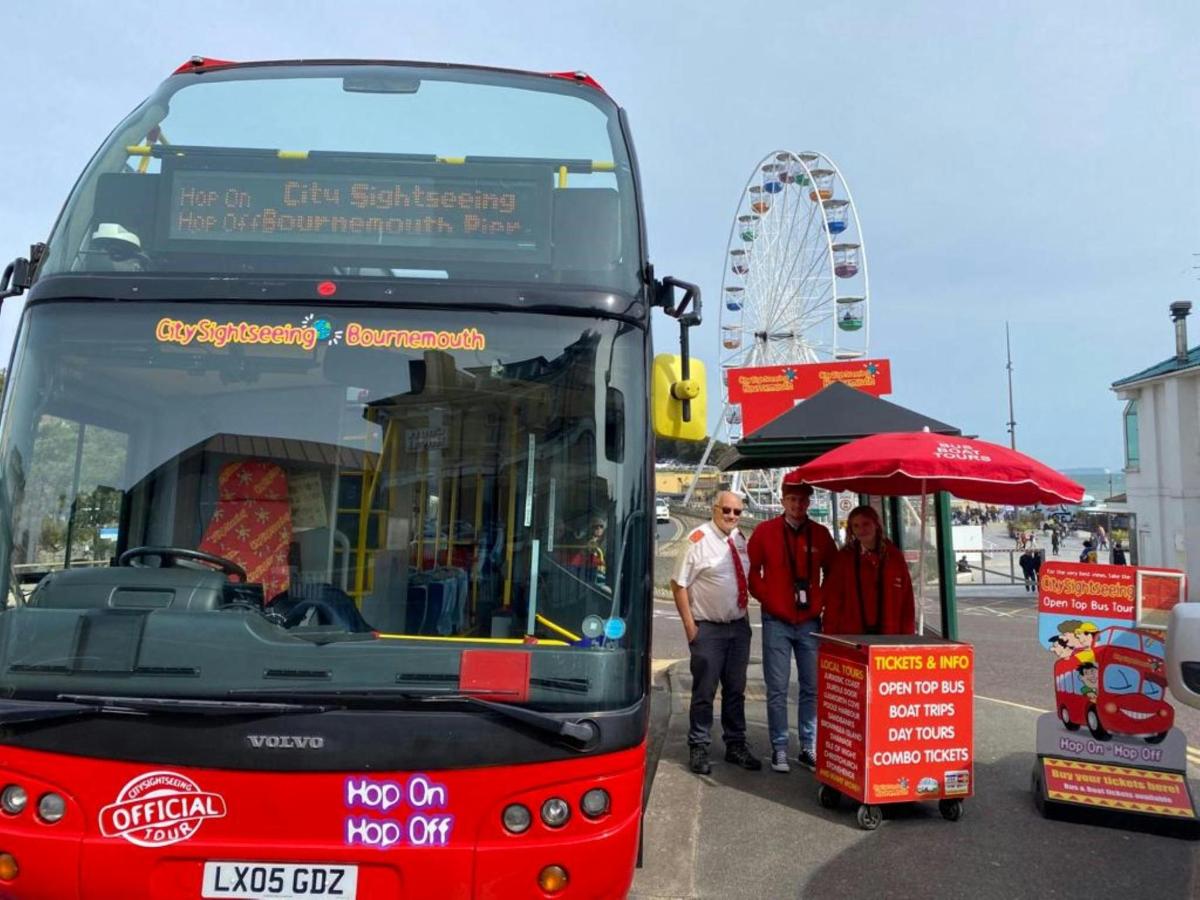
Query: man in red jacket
[[790, 557]]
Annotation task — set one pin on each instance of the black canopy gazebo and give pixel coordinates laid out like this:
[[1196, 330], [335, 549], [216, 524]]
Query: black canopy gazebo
[[836, 415]]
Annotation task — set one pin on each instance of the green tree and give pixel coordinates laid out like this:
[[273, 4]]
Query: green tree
[[687, 452]]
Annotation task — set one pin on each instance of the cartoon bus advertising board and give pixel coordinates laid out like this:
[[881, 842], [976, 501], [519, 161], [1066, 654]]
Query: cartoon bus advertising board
[[1111, 742]]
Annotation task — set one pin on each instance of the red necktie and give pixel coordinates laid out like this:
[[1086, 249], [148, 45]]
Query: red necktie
[[743, 590]]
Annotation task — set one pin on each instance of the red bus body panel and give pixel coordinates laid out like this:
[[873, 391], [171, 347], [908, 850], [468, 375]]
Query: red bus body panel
[[299, 817]]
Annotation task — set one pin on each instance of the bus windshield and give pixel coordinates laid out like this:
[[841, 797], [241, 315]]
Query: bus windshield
[[364, 171], [351, 495]]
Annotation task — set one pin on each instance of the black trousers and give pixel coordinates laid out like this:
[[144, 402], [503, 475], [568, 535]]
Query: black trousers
[[720, 654]]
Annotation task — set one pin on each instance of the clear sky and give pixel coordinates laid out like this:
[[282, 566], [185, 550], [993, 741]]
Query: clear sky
[[1027, 162]]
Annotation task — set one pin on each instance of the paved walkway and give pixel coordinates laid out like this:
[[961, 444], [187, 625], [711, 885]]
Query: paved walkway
[[762, 834]]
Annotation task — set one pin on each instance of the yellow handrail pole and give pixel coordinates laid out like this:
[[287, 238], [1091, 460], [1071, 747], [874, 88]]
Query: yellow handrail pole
[[453, 518], [546, 642], [364, 512], [437, 524], [557, 629], [512, 509], [423, 499], [478, 547]]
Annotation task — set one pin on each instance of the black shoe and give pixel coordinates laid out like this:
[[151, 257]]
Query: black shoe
[[739, 754], [807, 760], [698, 760]]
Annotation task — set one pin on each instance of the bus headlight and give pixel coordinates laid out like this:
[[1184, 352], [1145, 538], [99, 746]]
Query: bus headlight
[[13, 799], [517, 818], [595, 803], [51, 807], [555, 812]]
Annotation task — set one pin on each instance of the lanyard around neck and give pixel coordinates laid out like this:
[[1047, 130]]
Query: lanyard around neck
[[862, 603], [791, 555]]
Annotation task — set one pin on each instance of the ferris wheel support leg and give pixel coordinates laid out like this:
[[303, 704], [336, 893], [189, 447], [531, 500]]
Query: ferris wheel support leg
[[687, 498]]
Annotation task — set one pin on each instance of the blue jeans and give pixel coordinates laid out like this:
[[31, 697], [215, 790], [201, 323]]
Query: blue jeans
[[781, 641]]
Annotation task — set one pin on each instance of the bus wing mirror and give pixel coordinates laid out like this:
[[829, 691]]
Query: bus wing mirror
[[18, 274], [671, 390], [684, 390], [15, 279]]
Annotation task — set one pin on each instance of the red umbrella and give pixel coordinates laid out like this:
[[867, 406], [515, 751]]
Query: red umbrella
[[898, 464], [919, 462]]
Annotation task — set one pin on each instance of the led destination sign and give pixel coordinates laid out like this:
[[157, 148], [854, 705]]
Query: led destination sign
[[349, 209]]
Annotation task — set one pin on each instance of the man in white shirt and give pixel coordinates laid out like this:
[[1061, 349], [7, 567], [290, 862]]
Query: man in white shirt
[[711, 592]]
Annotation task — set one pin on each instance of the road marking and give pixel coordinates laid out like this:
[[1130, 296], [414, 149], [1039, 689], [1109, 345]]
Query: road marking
[[1010, 703], [1193, 753], [657, 665]]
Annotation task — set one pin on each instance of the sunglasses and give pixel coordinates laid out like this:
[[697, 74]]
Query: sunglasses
[[730, 511]]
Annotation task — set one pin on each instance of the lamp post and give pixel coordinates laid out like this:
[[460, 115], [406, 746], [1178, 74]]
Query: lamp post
[[1108, 511]]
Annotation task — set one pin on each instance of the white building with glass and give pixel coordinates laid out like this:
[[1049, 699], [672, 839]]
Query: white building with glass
[[1162, 456]]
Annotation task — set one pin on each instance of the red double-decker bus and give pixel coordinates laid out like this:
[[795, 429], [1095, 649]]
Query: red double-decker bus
[[1118, 686], [325, 495]]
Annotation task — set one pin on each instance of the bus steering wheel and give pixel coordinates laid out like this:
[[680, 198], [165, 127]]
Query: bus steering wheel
[[171, 555]]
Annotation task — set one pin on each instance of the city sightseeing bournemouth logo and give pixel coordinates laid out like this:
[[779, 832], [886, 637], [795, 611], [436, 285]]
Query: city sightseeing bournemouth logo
[[312, 331], [159, 808]]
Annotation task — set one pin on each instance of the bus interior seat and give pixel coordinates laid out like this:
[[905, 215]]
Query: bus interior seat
[[319, 559], [252, 522], [129, 201], [586, 230]]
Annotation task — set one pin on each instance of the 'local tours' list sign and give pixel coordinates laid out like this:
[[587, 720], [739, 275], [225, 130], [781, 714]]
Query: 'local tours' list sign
[[895, 720]]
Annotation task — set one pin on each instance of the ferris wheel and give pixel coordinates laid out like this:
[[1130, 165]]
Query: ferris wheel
[[795, 286]]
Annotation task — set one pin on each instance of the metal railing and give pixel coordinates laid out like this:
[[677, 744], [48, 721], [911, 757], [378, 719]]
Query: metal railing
[[991, 566]]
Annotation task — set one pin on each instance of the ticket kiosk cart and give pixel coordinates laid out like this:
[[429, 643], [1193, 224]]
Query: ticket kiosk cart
[[894, 722]]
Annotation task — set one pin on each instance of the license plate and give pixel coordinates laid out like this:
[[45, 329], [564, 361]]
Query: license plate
[[258, 881]]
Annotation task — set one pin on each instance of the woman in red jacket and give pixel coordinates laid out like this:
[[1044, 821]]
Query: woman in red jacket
[[870, 590]]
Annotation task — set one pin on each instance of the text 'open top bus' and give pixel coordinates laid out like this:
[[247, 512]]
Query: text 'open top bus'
[[326, 494]]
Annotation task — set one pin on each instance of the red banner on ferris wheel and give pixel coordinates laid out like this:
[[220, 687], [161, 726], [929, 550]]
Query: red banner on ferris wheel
[[766, 392]]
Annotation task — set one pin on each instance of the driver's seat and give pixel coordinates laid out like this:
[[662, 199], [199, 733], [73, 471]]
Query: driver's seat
[[252, 524]]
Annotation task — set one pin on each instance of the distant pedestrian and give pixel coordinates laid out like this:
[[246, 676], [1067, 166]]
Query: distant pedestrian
[[712, 592], [1054, 540], [1037, 569], [1026, 564], [790, 559], [1118, 554], [1088, 554], [1101, 538]]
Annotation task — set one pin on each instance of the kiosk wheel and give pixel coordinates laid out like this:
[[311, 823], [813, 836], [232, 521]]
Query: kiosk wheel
[[829, 797], [951, 810], [869, 817], [1036, 786]]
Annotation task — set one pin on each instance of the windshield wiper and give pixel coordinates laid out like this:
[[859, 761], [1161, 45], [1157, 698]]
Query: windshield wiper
[[578, 734], [93, 702]]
